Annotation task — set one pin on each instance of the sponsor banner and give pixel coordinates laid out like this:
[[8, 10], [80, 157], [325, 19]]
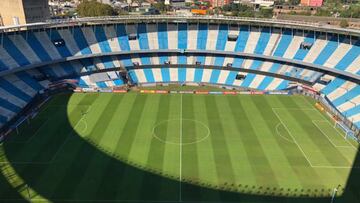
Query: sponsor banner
[[148, 84], [78, 90], [105, 90], [244, 92], [201, 92], [89, 89], [186, 92], [215, 92], [173, 92], [309, 88], [161, 92], [231, 93], [148, 91], [257, 93], [278, 92], [119, 91]]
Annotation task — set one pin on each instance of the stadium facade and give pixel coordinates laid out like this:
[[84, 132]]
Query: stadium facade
[[138, 50]]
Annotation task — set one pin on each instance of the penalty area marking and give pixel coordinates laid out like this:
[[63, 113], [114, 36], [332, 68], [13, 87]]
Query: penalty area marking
[[302, 151], [322, 132], [325, 119], [278, 132], [56, 153]]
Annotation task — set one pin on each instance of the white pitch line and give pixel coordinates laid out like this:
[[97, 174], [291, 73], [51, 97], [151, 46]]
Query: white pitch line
[[302, 151], [33, 135], [180, 170], [322, 115], [322, 132], [307, 159], [54, 156], [278, 132]]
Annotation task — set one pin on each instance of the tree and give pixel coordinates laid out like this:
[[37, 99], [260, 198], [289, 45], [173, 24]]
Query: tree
[[160, 6], [344, 24], [140, 2], [265, 13], [294, 2], [93, 8]]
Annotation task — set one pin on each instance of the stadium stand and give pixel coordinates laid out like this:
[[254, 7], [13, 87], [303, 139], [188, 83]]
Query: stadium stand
[[331, 50]]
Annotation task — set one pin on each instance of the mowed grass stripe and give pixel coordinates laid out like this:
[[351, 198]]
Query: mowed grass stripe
[[319, 177], [139, 152], [106, 178], [94, 109], [92, 174], [239, 158], [328, 152], [255, 152], [105, 118], [97, 167], [53, 174], [296, 159], [27, 152], [58, 170], [75, 167], [172, 151], [108, 187], [115, 185], [126, 141], [223, 163], [172, 133], [75, 172], [49, 136], [205, 154], [122, 112], [287, 154], [142, 142], [116, 176], [338, 176], [339, 142], [155, 157], [265, 138], [326, 124], [190, 163]]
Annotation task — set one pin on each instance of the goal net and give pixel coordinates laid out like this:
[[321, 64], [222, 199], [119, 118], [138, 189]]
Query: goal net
[[348, 132]]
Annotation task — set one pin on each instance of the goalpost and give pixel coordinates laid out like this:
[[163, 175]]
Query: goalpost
[[348, 132]]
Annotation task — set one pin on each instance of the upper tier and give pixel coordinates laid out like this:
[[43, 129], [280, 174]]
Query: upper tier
[[50, 42]]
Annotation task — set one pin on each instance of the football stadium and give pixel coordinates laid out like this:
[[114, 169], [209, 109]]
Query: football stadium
[[179, 109]]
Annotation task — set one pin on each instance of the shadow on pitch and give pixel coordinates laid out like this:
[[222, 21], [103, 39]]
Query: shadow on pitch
[[83, 172]]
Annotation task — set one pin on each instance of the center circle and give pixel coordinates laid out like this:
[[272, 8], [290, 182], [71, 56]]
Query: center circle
[[181, 131]]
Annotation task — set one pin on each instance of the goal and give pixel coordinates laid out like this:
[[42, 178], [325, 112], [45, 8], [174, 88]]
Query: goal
[[348, 132]]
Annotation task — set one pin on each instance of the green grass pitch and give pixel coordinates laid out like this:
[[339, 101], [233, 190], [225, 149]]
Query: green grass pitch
[[177, 148]]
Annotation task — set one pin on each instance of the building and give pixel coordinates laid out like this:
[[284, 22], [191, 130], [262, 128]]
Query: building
[[313, 3], [219, 3], [17, 12], [263, 3], [105, 1]]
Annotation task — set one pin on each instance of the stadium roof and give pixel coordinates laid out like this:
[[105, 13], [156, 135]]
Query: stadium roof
[[183, 19]]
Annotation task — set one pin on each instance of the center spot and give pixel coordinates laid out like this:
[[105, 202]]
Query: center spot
[[181, 131]]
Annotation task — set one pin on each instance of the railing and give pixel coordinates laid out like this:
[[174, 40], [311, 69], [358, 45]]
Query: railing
[[111, 19]]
